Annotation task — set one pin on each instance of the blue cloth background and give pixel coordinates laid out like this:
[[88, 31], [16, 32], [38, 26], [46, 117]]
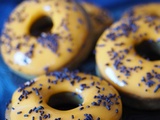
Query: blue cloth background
[[9, 81]]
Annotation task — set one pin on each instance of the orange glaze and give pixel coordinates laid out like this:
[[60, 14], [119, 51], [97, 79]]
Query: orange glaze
[[119, 63], [94, 87], [70, 27], [150, 9]]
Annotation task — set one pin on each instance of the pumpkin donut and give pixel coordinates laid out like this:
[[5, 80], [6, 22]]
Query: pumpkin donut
[[47, 38], [127, 58], [70, 96], [150, 9]]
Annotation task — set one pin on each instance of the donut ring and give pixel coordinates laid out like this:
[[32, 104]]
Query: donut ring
[[119, 63], [100, 18], [32, 55], [150, 9], [30, 99]]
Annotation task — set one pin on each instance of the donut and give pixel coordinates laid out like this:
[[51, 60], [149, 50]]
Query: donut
[[56, 34], [100, 18], [127, 58], [150, 9], [65, 95]]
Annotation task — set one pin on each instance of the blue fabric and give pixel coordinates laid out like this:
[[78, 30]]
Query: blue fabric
[[9, 81]]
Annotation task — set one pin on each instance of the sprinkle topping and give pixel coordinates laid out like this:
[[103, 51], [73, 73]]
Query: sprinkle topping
[[50, 41], [83, 83], [123, 64]]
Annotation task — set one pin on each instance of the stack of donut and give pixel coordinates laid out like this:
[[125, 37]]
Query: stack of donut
[[57, 34], [40, 43]]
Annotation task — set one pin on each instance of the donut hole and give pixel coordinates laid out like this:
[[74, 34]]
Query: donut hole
[[149, 50], [41, 25], [65, 101]]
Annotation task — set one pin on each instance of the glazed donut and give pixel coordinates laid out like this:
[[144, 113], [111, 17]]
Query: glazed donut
[[150, 9], [100, 18], [126, 57], [96, 99], [47, 38]]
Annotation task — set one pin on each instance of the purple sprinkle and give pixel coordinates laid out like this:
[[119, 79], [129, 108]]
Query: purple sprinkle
[[50, 41], [69, 50], [157, 88], [80, 21]]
